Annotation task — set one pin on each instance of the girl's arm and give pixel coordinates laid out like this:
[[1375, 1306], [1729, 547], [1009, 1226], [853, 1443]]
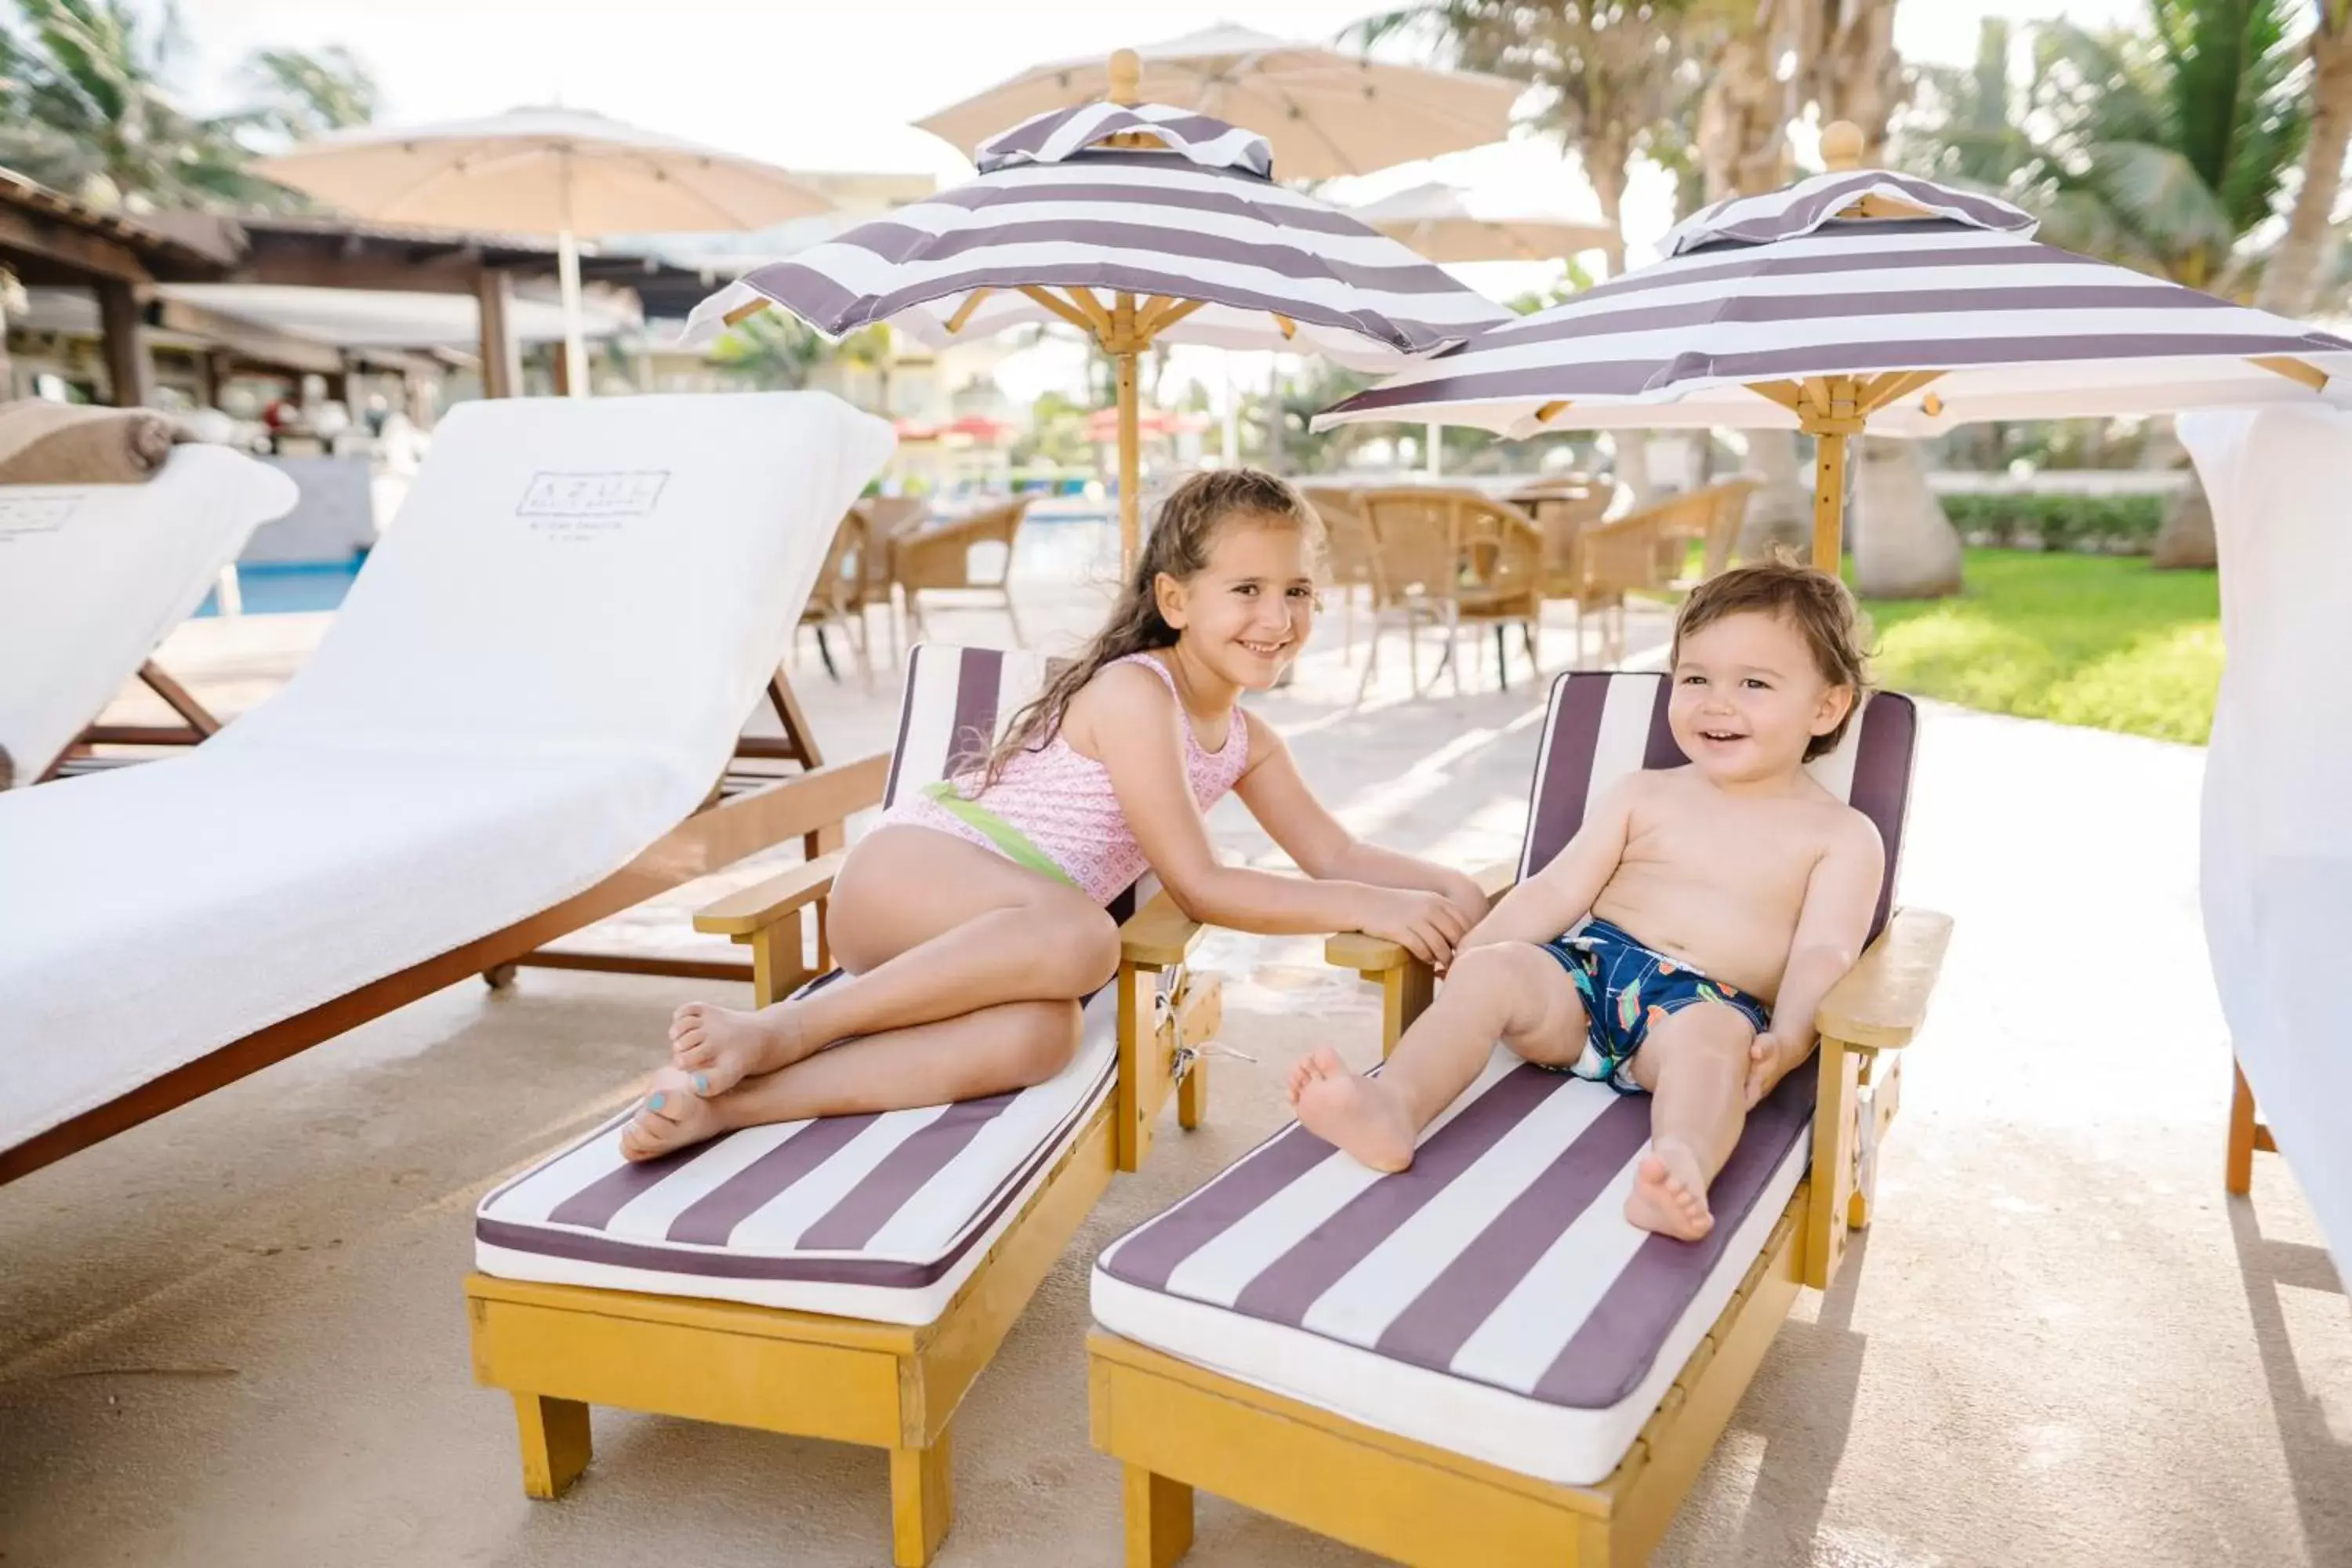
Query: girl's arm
[[1319, 844], [1132, 723], [1556, 897]]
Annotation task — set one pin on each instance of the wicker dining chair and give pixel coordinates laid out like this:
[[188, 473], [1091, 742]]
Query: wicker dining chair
[[937, 558], [1450, 558]]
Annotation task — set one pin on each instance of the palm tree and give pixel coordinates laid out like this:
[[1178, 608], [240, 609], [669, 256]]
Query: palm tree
[[2298, 269], [2161, 149], [85, 107]]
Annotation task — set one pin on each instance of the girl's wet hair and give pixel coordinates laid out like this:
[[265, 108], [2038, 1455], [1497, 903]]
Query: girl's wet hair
[[1178, 544], [1813, 602]]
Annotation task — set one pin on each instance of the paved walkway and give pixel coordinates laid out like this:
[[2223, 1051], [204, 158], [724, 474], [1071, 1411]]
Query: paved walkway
[[235, 1336]]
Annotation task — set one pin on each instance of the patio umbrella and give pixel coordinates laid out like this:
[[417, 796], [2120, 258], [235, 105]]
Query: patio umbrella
[[1445, 223], [560, 171], [1862, 299], [1136, 224], [1326, 113]]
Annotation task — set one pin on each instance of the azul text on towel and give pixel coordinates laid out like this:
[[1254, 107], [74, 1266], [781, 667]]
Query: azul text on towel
[[564, 502]]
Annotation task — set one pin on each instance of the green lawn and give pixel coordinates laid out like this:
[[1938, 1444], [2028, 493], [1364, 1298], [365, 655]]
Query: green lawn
[[2100, 640]]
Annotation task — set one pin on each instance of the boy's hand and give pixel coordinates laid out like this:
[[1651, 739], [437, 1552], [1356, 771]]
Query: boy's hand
[[1768, 1061], [1425, 925]]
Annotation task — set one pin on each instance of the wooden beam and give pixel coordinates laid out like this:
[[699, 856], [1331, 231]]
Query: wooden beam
[[971, 303], [322, 261], [129, 372], [62, 245], [2295, 370], [1786, 393], [1059, 306], [248, 341], [502, 357], [1169, 314]]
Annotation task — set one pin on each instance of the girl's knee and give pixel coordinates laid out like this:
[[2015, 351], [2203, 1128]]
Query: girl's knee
[[1044, 1037]]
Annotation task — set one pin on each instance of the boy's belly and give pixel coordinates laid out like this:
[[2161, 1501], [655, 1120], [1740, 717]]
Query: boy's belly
[[1723, 938]]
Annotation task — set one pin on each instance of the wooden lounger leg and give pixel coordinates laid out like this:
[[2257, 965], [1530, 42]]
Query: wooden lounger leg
[[1158, 1514], [921, 1501], [555, 1443], [2238, 1176], [1406, 992]]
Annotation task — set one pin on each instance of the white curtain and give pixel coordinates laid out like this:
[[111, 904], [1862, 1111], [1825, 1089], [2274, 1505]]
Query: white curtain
[[2277, 862]]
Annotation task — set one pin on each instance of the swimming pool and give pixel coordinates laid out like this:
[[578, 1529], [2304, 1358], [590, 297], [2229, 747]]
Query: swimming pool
[[278, 588]]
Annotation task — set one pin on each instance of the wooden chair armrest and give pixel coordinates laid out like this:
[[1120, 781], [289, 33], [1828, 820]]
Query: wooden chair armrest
[[1883, 999], [764, 903], [1376, 955], [1158, 935]]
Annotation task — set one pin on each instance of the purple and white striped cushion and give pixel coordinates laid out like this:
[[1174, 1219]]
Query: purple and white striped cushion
[[1492, 1300], [878, 1217], [1602, 725]]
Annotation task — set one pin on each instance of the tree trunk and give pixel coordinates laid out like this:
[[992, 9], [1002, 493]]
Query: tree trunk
[[1742, 152], [2292, 279], [1905, 547], [2186, 540], [1605, 158], [1895, 557]]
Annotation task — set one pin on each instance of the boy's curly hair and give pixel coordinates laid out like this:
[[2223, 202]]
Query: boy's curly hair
[[1810, 600]]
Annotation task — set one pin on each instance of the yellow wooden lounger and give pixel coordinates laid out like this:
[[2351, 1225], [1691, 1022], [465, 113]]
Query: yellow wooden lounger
[[1478, 1360]]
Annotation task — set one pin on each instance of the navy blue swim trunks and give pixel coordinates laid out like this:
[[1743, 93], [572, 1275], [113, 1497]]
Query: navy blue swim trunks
[[1627, 987]]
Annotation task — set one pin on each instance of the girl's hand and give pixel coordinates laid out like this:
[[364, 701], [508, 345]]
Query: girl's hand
[[1427, 925], [1464, 895]]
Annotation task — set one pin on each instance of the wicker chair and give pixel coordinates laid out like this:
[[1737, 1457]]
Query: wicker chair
[[887, 517], [1348, 547], [838, 598], [1563, 508], [1447, 558], [937, 558], [1710, 518]]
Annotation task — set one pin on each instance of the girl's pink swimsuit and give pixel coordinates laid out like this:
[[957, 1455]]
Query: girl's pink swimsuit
[[1060, 800]]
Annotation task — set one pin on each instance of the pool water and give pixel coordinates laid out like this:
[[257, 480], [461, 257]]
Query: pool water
[[280, 588]]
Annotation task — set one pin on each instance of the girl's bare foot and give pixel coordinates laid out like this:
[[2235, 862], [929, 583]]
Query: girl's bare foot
[[672, 1118], [718, 1047], [1670, 1193], [1358, 1114]]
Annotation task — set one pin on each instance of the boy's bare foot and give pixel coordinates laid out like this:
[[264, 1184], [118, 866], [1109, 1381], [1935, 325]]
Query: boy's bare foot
[[672, 1118], [1358, 1114], [718, 1047], [1770, 1059], [1670, 1193]]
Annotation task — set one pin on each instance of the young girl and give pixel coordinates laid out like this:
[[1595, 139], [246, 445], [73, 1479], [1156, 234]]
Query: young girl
[[971, 919]]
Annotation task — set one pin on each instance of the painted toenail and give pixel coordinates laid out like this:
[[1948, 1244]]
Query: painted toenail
[[655, 1102], [702, 1083]]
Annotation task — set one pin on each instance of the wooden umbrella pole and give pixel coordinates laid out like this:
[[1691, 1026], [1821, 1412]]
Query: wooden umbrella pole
[[1830, 410], [1124, 346]]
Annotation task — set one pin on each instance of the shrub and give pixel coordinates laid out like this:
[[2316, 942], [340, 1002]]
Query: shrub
[[2098, 525]]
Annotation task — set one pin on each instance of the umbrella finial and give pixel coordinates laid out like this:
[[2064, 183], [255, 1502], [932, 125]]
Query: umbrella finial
[[1841, 146], [1126, 76]]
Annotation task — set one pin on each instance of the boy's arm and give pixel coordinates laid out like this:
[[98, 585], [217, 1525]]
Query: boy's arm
[[1840, 898], [1561, 894]]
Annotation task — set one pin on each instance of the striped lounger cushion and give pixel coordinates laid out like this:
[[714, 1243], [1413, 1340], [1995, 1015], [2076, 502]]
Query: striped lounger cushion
[[1491, 1301], [881, 1217]]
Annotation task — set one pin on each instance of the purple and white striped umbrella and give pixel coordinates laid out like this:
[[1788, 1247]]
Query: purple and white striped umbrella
[[1877, 277], [1175, 209]]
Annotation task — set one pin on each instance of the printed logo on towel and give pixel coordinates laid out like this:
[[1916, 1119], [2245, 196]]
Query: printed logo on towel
[[36, 514], [586, 505]]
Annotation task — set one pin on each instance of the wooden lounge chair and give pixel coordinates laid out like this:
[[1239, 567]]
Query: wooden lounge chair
[[92, 577], [937, 558], [515, 728], [1450, 558], [1478, 1361], [846, 1278]]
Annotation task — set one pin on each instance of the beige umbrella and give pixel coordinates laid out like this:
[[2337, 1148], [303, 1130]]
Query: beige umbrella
[[1326, 113], [1445, 223], [560, 172]]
